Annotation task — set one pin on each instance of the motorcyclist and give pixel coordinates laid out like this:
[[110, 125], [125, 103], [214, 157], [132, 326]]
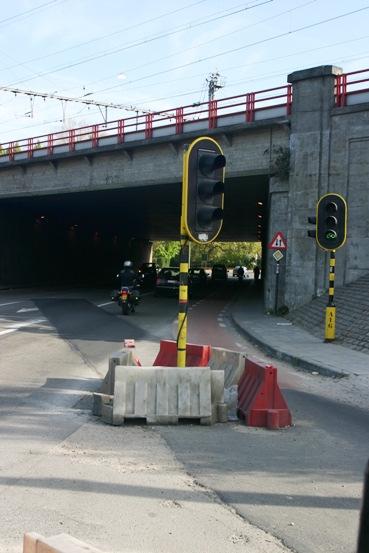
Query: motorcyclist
[[127, 275], [130, 279]]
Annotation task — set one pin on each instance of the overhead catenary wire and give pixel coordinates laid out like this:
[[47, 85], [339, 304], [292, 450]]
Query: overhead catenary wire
[[233, 50], [31, 11], [187, 93], [239, 48], [246, 65], [108, 35], [189, 26], [217, 38], [128, 84], [79, 100]]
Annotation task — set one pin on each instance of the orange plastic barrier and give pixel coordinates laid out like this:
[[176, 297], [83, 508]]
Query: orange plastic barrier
[[260, 401], [196, 355]]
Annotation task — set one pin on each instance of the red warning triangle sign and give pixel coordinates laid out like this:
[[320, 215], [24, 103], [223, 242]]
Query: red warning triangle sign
[[278, 242]]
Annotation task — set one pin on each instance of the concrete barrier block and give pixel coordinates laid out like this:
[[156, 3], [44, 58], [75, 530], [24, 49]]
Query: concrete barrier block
[[217, 393], [121, 357], [98, 401], [107, 413], [222, 412], [163, 395], [62, 543], [231, 362]]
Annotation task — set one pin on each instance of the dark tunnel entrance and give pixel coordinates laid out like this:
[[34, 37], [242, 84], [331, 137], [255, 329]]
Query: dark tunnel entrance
[[83, 238]]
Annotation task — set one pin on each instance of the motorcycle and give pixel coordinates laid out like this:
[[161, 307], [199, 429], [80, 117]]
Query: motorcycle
[[128, 299]]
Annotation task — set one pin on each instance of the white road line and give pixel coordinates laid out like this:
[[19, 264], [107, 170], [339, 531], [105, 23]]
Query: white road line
[[239, 345], [16, 326], [27, 309], [26, 323], [7, 331], [9, 303], [106, 303], [222, 325]]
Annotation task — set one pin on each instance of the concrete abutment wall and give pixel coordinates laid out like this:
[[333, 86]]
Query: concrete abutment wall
[[329, 151]]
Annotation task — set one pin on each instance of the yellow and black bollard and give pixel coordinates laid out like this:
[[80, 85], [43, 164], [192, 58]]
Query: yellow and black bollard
[[183, 272], [183, 301], [330, 311]]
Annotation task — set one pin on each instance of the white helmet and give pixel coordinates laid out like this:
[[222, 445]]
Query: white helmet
[[127, 264]]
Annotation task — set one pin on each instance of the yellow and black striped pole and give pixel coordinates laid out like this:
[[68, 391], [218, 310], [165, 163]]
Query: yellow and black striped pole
[[183, 274], [330, 311]]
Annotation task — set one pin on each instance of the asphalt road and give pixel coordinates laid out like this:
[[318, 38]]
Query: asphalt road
[[302, 485]]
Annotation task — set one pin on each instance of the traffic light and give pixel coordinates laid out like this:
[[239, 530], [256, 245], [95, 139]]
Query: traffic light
[[203, 179], [331, 215]]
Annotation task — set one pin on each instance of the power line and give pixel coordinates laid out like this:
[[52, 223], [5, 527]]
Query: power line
[[178, 95], [109, 35], [243, 65], [217, 38], [152, 100], [245, 46], [29, 12], [106, 53]]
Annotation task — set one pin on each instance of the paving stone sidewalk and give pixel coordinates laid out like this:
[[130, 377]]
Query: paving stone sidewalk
[[352, 321], [282, 338]]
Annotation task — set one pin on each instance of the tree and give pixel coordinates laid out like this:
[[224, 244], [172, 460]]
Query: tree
[[164, 252], [226, 253]]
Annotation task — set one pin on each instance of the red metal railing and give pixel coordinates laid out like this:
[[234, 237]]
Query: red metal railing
[[235, 109], [350, 85], [247, 107]]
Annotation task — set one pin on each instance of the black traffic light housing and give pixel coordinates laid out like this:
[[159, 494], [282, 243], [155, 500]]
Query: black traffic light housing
[[331, 221], [203, 177]]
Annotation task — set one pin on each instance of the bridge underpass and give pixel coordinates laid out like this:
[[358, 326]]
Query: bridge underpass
[[83, 237]]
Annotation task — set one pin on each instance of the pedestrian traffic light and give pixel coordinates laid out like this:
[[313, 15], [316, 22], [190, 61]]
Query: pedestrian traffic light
[[331, 215], [203, 179]]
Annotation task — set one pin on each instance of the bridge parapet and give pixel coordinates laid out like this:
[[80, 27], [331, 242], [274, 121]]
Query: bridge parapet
[[199, 118]]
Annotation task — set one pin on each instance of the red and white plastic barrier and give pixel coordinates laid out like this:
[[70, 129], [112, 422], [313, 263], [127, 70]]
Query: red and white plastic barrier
[[260, 400]]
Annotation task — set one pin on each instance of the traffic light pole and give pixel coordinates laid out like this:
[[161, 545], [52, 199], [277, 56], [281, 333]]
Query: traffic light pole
[[330, 311], [201, 215], [183, 274]]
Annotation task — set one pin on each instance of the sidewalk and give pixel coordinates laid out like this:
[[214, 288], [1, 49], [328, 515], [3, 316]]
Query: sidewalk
[[279, 337]]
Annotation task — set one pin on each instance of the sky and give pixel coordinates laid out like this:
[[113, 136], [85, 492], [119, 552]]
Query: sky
[[151, 56]]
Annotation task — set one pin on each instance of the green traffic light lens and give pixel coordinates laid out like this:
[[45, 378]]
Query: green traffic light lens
[[331, 235]]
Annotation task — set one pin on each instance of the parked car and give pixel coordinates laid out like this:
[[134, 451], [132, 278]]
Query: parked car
[[148, 274], [197, 277], [167, 281], [219, 272]]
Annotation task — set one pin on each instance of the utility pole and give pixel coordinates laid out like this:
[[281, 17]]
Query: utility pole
[[215, 82]]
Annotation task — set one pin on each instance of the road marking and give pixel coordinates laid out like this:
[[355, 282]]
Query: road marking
[[106, 303], [222, 325], [27, 309], [16, 326], [239, 345], [9, 303]]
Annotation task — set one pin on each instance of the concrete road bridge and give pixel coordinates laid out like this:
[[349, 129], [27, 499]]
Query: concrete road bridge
[[74, 204]]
